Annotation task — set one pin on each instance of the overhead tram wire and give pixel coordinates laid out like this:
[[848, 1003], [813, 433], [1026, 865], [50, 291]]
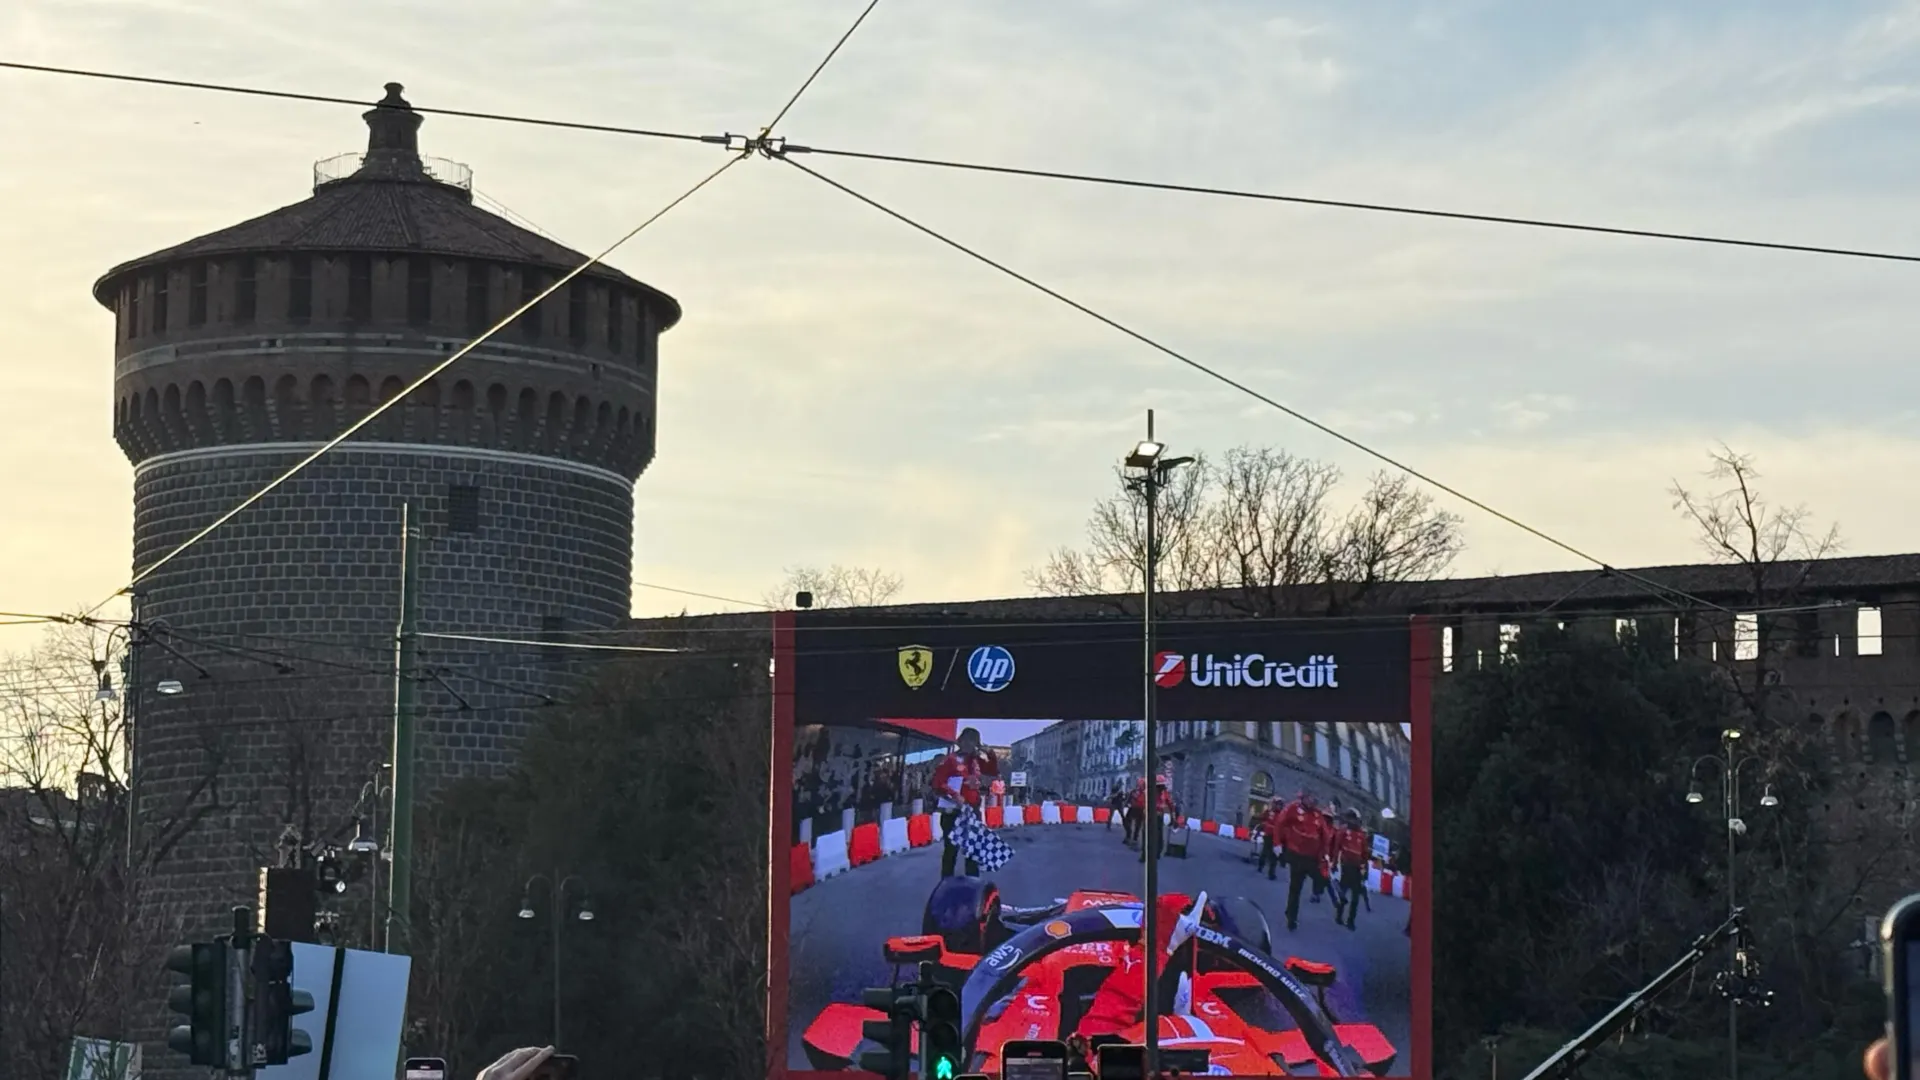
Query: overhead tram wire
[[822, 66], [324, 99], [535, 643], [1348, 204], [1243, 388], [735, 143], [414, 386], [707, 596]]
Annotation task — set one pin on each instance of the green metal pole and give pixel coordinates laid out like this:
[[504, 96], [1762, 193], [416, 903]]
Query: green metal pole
[[400, 877]]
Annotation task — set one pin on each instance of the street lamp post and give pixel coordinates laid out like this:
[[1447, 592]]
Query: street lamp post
[[556, 913], [1148, 470], [366, 841], [1735, 980]]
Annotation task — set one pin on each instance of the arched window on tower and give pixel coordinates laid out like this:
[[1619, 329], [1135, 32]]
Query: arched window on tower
[[1882, 744]]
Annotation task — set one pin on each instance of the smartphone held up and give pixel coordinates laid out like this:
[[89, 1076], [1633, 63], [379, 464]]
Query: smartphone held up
[[1900, 966]]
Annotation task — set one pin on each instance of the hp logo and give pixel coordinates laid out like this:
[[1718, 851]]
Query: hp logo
[[990, 668]]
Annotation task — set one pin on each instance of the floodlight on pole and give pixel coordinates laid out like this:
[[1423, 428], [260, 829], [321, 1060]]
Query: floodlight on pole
[[1146, 455]]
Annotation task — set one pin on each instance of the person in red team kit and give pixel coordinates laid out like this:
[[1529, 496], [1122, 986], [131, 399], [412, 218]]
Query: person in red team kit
[[1302, 828], [1155, 826], [1350, 843], [1122, 997], [957, 782]]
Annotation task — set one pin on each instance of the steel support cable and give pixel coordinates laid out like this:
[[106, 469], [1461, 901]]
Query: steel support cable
[[1348, 204], [324, 99], [1249, 391], [736, 143], [822, 66]]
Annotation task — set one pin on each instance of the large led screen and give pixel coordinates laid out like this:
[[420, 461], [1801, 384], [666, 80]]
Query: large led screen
[[972, 795]]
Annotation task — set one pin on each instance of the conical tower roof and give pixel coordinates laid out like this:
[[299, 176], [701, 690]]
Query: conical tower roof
[[394, 203]]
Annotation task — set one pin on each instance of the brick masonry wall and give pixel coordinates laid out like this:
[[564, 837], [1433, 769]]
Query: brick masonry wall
[[292, 609]]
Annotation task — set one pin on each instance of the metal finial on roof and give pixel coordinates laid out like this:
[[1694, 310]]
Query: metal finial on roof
[[393, 144]]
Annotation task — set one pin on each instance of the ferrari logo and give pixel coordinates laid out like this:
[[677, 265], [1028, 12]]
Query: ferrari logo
[[916, 665]]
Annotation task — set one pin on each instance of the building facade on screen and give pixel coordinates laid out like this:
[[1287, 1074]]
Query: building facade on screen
[[240, 352]]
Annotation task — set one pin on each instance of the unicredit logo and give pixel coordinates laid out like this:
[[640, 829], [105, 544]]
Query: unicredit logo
[[1252, 669]]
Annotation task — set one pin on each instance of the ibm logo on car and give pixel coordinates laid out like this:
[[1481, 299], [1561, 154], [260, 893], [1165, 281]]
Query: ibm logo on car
[[990, 668]]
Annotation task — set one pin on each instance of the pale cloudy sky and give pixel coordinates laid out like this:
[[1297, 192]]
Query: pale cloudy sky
[[845, 390]]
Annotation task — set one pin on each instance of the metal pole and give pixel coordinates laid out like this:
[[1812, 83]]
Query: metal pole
[[400, 885], [373, 868], [130, 712], [553, 915], [1150, 820], [1730, 793]]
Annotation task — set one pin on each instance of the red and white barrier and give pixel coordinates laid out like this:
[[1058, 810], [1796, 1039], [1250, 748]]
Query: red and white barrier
[[830, 856], [837, 852], [1389, 883], [893, 836]]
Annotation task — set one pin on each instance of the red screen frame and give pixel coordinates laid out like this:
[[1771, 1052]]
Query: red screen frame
[[780, 823]]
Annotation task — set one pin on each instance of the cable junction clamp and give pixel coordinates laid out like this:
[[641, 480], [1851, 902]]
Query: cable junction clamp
[[763, 144]]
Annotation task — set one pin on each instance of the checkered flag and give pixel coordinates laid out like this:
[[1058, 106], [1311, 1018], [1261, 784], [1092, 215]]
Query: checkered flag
[[978, 843]]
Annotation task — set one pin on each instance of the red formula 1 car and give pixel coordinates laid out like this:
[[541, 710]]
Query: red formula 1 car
[[1031, 973]]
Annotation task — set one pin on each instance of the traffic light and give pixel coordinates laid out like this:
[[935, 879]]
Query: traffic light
[[894, 1034], [940, 1048], [202, 1001], [276, 1003]]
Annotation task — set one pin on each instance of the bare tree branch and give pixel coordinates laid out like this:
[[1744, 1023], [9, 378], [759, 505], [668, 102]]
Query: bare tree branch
[[1257, 532], [836, 586]]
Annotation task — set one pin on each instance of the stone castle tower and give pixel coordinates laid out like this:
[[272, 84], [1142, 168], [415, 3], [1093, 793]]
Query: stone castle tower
[[239, 353]]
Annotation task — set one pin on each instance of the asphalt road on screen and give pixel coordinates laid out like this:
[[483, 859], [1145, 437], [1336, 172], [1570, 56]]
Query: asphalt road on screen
[[839, 925]]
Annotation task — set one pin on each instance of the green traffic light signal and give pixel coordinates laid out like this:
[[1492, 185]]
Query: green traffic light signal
[[201, 1000], [940, 1049]]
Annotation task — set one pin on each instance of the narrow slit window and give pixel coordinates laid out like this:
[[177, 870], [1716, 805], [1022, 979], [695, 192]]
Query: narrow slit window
[[197, 295], [160, 302], [616, 319], [1866, 632], [1446, 648], [246, 290], [577, 312], [479, 313], [419, 290], [531, 283], [300, 292], [133, 310], [360, 288]]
